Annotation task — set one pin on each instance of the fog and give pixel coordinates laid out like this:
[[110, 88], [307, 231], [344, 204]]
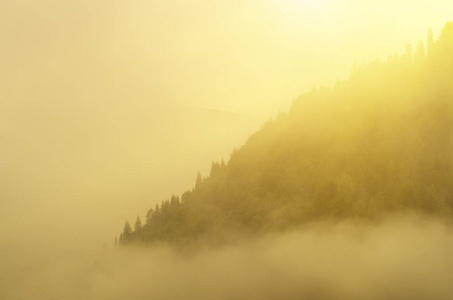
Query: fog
[[109, 107], [68, 185], [398, 257]]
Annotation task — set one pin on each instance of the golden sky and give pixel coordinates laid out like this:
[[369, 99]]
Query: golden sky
[[245, 56]]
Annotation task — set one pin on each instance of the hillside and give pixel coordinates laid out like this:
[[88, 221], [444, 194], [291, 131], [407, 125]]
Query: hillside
[[379, 142]]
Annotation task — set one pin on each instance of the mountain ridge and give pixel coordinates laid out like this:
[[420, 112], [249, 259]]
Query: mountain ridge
[[375, 144]]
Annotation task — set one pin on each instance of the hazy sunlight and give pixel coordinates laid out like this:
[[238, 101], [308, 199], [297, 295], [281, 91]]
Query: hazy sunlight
[[227, 149]]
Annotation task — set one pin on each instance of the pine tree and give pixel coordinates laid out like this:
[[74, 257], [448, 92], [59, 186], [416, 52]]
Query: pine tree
[[127, 231], [185, 196], [174, 201], [149, 214], [214, 168], [157, 210], [138, 225], [199, 180], [164, 209]]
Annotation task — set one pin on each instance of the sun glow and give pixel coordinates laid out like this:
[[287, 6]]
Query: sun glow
[[310, 2], [310, 7], [310, 12]]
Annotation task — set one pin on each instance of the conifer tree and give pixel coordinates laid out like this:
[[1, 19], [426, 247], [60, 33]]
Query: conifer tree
[[174, 201], [127, 231], [199, 180], [185, 196], [149, 214], [214, 168], [157, 210], [138, 225]]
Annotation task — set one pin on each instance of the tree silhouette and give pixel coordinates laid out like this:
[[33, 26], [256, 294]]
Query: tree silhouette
[[149, 214], [127, 231], [138, 225], [198, 181]]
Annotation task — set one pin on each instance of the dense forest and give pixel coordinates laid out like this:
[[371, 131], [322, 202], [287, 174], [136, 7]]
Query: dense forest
[[379, 142]]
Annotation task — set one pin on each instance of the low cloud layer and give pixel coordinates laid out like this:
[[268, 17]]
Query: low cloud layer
[[402, 258]]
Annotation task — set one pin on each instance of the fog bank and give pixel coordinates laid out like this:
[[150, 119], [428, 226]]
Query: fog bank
[[401, 258]]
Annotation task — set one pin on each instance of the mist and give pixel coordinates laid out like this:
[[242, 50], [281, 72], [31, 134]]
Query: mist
[[109, 107], [68, 185], [399, 257]]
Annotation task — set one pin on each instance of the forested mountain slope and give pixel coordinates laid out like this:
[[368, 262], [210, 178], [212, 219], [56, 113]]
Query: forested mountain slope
[[380, 142]]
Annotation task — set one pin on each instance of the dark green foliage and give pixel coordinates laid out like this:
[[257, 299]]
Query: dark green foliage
[[380, 142]]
